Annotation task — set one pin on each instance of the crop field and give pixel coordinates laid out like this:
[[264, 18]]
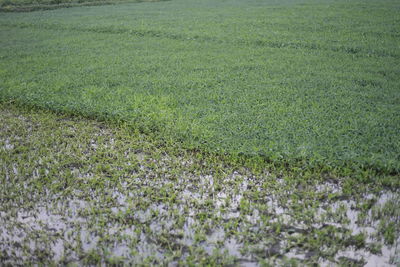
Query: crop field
[[74, 191], [257, 132], [316, 81], [32, 5]]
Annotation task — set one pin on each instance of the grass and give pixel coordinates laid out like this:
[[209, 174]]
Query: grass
[[311, 84], [34, 5], [200, 133], [80, 192]]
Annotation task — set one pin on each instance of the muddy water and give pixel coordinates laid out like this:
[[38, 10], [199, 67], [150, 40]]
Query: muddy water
[[74, 205], [57, 226]]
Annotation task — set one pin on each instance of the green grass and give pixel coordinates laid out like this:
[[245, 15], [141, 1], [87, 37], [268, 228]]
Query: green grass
[[33, 5], [80, 192], [304, 83]]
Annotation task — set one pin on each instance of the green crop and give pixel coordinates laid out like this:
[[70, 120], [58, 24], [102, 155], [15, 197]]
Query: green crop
[[33, 5], [309, 84], [76, 191]]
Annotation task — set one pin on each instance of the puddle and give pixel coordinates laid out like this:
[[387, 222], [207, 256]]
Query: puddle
[[387, 257], [233, 248], [8, 145], [69, 223]]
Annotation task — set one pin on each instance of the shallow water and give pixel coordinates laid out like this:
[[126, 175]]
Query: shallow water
[[164, 210], [63, 225]]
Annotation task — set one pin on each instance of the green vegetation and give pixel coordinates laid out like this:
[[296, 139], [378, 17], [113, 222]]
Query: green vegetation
[[314, 82], [75, 191], [207, 132], [32, 5]]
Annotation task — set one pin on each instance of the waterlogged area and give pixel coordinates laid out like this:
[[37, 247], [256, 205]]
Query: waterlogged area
[[76, 191], [60, 232]]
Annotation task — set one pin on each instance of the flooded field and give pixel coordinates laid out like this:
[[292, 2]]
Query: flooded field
[[74, 191]]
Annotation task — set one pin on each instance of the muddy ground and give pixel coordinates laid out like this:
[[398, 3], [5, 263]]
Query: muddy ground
[[80, 192]]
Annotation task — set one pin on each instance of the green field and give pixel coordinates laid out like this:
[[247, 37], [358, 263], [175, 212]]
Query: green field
[[33, 5], [315, 81], [200, 133]]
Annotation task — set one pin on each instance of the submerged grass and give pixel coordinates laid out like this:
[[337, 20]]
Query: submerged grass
[[311, 84], [76, 191]]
